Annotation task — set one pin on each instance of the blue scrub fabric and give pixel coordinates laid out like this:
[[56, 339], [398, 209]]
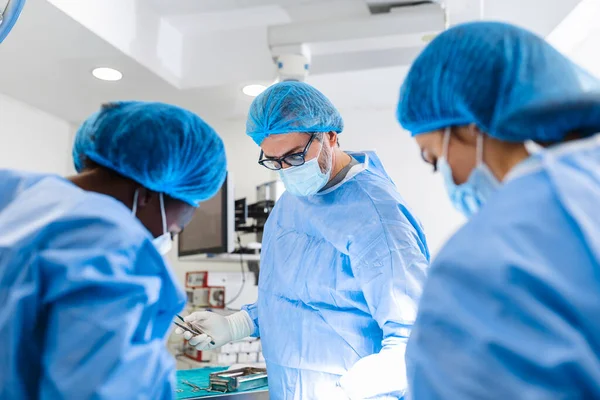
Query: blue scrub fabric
[[86, 299], [341, 274], [511, 306]]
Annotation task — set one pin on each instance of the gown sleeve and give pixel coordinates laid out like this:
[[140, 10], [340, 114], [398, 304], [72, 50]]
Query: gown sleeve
[[391, 271], [108, 301], [252, 310], [505, 313]]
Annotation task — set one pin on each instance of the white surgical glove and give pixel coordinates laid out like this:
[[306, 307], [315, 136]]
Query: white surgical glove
[[377, 375], [217, 328]]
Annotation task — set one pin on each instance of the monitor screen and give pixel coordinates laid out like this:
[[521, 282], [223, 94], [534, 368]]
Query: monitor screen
[[210, 231]]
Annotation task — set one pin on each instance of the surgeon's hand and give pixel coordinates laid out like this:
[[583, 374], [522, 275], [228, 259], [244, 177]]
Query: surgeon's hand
[[381, 375], [217, 328]]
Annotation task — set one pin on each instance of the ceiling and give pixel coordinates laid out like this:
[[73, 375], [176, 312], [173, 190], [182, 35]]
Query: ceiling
[[200, 53], [578, 35]]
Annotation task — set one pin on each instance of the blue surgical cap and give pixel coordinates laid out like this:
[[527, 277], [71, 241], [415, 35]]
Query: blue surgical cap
[[289, 107], [164, 148], [509, 82]]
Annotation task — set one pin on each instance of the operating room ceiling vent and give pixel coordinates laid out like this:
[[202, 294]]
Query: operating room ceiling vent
[[387, 6], [360, 43]]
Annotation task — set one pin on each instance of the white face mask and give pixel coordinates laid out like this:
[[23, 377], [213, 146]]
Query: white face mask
[[163, 243]]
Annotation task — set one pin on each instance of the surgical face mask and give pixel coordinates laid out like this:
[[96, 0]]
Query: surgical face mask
[[163, 243], [468, 197], [306, 179]]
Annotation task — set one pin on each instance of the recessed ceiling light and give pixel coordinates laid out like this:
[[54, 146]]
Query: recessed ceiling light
[[253, 90], [107, 74]]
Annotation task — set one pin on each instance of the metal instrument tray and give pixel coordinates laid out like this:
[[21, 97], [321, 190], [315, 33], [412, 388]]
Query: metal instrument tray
[[238, 380]]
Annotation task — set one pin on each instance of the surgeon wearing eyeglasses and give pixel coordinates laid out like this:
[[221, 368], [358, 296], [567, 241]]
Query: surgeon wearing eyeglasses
[[512, 304], [343, 260]]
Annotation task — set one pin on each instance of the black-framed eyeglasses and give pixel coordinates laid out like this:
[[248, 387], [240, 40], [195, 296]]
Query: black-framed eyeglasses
[[293, 160]]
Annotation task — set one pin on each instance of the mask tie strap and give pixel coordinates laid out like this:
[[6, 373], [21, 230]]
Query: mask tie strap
[[136, 195], [446, 143], [163, 213], [480, 149]]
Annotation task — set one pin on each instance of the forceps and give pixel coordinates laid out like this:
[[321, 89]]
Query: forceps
[[186, 326], [195, 388]]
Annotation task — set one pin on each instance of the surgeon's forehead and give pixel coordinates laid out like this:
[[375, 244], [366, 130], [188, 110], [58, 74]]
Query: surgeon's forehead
[[280, 145]]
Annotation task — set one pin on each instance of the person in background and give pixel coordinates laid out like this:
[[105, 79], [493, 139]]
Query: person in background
[[511, 306], [343, 260], [87, 298]]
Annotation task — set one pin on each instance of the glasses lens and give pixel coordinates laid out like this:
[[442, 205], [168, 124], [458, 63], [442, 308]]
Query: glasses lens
[[294, 160], [271, 164]]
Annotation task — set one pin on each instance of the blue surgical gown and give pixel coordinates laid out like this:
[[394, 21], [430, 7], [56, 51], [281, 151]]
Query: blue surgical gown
[[86, 299], [341, 275], [511, 309]]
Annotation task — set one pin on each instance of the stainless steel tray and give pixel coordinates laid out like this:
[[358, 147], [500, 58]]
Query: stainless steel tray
[[238, 380]]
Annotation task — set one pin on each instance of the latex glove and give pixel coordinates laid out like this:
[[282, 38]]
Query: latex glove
[[217, 328], [377, 375]]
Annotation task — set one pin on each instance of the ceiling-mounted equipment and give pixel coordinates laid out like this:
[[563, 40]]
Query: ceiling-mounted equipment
[[292, 67], [366, 42], [386, 6]]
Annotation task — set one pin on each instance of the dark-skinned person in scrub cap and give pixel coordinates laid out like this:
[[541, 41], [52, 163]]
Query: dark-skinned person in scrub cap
[[87, 298]]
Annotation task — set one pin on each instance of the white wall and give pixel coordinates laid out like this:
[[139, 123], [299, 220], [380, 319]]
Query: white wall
[[33, 140], [242, 159]]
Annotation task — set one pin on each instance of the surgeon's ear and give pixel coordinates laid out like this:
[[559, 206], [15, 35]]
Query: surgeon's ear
[[331, 137]]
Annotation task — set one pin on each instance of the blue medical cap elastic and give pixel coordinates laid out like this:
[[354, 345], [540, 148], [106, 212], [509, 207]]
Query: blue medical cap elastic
[[511, 83], [164, 148], [289, 107]]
